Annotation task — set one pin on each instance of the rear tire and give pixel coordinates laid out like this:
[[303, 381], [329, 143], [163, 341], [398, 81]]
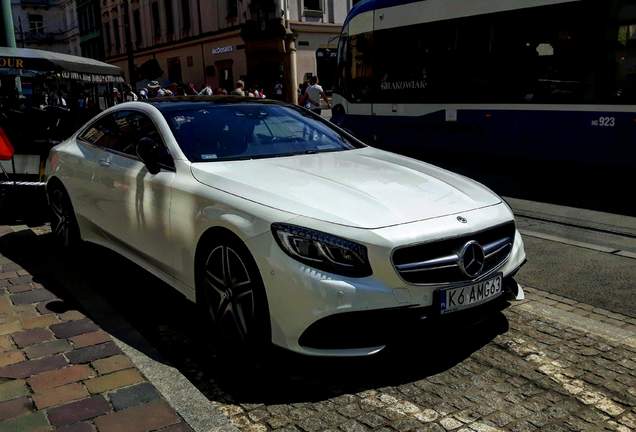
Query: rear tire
[[231, 295], [64, 224]]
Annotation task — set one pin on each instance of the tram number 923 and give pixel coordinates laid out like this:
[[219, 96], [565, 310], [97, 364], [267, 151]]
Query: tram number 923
[[604, 122]]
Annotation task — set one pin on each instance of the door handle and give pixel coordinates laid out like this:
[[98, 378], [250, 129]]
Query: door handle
[[104, 163]]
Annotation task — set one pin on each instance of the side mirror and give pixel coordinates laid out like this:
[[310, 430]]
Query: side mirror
[[149, 150]]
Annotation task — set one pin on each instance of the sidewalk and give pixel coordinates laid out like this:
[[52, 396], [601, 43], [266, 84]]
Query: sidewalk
[[608, 222], [549, 363], [60, 371]]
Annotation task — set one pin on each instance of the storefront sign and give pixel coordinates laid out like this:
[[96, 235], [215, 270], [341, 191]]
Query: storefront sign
[[223, 50], [11, 62], [92, 78]]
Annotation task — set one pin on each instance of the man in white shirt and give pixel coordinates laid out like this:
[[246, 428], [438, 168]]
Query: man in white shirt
[[314, 92]]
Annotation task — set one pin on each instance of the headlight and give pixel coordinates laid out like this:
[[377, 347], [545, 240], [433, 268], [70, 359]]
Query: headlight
[[322, 251]]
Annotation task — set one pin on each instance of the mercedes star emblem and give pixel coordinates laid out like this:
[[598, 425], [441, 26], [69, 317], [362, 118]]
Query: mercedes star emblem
[[471, 259]]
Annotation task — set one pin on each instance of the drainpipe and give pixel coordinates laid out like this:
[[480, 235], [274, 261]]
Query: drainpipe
[[292, 68], [7, 37], [132, 76]]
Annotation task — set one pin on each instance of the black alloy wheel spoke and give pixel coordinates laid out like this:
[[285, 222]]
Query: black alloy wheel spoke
[[60, 225], [229, 291]]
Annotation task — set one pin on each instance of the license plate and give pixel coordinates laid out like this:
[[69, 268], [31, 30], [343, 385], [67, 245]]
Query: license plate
[[454, 299]]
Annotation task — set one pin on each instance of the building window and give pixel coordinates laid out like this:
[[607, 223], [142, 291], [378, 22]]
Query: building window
[[137, 24], [169, 17], [36, 23], [109, 43], [185, 13], [232, 9], [116, 31], [174, 70], [313, 5], [156, 20]]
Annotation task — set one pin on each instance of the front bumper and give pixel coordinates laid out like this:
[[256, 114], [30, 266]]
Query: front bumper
[[318, 313], [372, 330]]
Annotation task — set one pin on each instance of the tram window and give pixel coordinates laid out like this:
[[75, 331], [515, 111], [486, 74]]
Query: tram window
[[503, 57], [357, 73], [548, 63], [624, 82]]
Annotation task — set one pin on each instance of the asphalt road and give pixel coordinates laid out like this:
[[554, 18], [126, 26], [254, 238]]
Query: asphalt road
[[581, 264]]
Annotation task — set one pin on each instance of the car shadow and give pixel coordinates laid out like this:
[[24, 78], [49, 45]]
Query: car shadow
[[106, 288]]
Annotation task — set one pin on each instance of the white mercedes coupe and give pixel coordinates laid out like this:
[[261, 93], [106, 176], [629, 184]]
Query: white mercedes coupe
[[284, 228]]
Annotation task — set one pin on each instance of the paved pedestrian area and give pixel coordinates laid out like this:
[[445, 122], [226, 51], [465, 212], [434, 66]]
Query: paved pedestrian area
[[547, 363], [538, 375], [60, 371]]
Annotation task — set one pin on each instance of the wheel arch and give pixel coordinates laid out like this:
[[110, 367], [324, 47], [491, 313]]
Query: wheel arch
[[208, 236], [55, 181]]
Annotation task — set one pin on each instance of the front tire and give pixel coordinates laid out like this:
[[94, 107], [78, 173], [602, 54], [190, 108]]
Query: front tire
[[232, 296], [64, 224]]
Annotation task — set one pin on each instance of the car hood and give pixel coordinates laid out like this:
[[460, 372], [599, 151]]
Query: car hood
[[364, 188]]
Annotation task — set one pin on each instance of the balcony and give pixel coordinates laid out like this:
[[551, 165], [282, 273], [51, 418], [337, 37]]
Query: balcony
[[40, 37]]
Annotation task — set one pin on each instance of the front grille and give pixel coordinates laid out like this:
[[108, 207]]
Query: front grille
[[437, 262]]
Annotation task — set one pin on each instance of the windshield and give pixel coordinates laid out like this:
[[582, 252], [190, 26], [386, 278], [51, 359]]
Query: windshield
[[208, 132]]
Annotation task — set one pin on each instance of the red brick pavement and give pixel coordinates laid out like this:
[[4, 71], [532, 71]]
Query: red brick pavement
[[60, 371]]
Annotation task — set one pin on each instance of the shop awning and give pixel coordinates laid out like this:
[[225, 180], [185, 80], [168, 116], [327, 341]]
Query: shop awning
[[34, 62]]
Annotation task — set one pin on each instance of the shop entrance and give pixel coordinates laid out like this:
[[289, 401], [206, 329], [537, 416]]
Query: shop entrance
[[225, 74]]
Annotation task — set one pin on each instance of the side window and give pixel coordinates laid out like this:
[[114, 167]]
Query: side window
[[358, 69], [102, 133], [131, 127]]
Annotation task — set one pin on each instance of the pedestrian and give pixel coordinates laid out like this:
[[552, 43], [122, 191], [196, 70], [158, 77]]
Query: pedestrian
[[191, 89], [302, 95], [240, 89], [313, 94], [116, 96], [129, 94], [278, 90], [155, 90], [206, 91]]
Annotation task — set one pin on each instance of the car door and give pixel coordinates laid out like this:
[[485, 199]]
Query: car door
[[137, 210], [83, 179]]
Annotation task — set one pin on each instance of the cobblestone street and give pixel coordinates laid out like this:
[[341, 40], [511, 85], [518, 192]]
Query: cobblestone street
[[539, 375], [547, 363]]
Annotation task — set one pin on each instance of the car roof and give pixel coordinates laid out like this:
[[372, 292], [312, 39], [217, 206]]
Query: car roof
[[184, 102]]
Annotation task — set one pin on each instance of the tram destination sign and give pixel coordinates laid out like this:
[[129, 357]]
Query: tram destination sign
[[12, 63], [37, 66]]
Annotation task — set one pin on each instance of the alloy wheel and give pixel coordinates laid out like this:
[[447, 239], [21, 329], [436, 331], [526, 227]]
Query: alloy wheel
[[61, 223], [230, 292]]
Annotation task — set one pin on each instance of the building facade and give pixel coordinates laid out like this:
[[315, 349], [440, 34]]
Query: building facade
[[316, 25], [90, 29], [206, 42], [47, 24]]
